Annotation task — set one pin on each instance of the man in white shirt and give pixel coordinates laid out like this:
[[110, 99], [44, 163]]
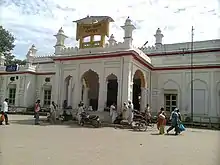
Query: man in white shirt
[[4, 110]]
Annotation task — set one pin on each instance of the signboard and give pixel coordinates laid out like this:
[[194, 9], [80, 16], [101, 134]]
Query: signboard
[[11, 68], [99, 28]]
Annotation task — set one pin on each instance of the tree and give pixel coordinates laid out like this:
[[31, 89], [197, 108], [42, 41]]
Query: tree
[[6, 46]]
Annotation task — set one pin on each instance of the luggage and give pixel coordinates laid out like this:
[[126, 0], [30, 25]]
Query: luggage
[[2, 118], [182, 128]]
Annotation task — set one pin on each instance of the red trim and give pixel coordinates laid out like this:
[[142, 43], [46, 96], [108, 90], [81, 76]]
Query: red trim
[[185, 52], [28, 72], [132, 53], [49, 62]]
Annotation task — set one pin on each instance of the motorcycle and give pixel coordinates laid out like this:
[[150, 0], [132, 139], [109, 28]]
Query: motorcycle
[[86, 118], [139, 121]]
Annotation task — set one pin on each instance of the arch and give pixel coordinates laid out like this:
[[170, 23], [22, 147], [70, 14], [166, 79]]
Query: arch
[[67, 86], [111, 77], [90, 88], [170, 84], [86, 75], [112, 89], [139, 84], [140, 75], [198, 84], [200, 97]]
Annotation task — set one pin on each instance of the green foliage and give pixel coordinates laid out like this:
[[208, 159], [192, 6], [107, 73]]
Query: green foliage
[[6, 46]]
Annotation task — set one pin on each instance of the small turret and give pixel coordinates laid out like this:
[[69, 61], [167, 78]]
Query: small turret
[[159, 37], [128, 30], [31, 55], [60, 36], [112, 40]]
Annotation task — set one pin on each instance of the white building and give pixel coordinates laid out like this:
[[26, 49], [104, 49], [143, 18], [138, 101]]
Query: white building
[[101, 73]]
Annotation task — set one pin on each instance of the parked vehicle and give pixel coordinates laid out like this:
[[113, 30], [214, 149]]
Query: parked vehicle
[[94, 120], [139, 121]]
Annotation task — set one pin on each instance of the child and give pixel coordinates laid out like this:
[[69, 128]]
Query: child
[[2, 118], [161, 122]]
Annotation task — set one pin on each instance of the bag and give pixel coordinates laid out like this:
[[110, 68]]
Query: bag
[[2, 118], [182, 128]]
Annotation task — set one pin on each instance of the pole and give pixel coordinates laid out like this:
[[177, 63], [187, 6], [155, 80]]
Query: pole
[[191, 67]]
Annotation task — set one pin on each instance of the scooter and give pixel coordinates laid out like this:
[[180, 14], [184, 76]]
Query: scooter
[[86, 118]]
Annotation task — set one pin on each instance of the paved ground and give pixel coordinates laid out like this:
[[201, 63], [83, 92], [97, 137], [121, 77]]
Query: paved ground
[[22, 143]]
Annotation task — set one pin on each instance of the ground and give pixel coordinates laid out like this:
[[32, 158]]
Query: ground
[[22, 143]]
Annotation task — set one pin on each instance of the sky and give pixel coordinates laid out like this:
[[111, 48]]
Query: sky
[[36, 21]]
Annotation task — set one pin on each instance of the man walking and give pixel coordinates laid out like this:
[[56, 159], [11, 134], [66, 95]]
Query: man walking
[[5, 111]]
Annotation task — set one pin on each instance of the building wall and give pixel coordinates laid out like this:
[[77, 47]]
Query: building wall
[[206, 90]]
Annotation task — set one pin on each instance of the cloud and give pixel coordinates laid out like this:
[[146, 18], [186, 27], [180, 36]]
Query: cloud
[[35, 22]]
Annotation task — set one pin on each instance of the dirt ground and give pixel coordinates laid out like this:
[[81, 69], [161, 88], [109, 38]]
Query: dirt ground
[[23, 143]]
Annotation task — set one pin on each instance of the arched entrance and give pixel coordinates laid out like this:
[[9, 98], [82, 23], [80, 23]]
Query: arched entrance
[[112, 90], [90, 89], [138, 83]]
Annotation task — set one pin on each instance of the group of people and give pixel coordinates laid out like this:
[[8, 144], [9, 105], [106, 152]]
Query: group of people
[[175, 118], [53, 110], [127, 112]]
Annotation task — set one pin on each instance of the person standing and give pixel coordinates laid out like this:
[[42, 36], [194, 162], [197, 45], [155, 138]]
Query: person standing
[[5, 111], [175, 121], [130, 112], [37, 111], [162, 122], [124, 111], [113, 112], [53, 108], [79, 111]]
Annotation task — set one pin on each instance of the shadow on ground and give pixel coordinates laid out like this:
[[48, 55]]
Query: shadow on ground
[[70, 124]]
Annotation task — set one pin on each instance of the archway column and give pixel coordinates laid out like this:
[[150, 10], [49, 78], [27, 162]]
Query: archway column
[[85, 96], [143, 98], [101, 101], [105, 93]]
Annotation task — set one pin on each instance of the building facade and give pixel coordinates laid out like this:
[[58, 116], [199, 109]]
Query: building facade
[[100, 73]]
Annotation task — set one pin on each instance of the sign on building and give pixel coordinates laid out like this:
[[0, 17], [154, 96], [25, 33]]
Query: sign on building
[[11, 68]]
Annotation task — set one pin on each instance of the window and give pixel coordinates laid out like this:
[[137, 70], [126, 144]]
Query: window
[[170, 102], [47, 97], [11, 97]]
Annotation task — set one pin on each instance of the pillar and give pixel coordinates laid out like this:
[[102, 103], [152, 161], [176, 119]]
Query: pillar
[[69, 101], [105, 92], [85, 96], [58, 85], [101, 103], [126, 83], [143, 98]]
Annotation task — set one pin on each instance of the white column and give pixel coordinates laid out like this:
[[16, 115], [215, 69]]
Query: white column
[[212, 104], [57, 83], [78, 87], [143, 99], [105, 93], [70, 92], [101, 103], [85, 96], [127, 83]]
